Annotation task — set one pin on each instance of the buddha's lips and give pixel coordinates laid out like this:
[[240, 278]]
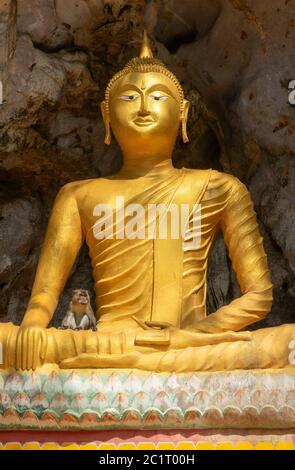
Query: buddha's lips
[[143, 122]]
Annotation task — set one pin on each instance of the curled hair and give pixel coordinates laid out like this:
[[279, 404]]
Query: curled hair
[[144, 65]]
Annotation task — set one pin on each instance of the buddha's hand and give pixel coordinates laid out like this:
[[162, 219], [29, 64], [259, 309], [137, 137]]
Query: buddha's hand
[[31, 344]]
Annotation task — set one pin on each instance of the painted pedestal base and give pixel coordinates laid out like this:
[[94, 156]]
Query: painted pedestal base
[[132, 409]]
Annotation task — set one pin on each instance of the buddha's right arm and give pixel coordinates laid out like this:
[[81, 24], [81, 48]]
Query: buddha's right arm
[[63, 240], [246, 251]]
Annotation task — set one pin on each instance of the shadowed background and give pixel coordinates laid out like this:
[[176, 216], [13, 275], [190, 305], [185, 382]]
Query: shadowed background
[[234, 59]]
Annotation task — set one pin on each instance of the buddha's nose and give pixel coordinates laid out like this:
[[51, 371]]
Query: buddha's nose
[[143, 110]]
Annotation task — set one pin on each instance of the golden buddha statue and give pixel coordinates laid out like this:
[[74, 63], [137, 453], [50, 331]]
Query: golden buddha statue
[[150, 291]]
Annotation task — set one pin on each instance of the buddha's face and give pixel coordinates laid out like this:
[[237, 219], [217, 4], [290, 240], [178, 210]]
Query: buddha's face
[[145, 112]]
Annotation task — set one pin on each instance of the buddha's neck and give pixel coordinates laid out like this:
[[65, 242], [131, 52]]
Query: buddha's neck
[[146, 166]]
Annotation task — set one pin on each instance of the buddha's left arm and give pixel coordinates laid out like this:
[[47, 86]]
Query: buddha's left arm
[[246, 251], [63, 240]]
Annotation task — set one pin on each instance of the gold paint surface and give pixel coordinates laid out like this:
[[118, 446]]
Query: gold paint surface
[[151, 280]]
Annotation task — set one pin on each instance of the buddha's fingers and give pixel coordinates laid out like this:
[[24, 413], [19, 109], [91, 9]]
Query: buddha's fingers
[[31, 350], [184, 338], [116, 346], [37, 350], [18, 350], [104, 343], [31, 346], [37, 343], [44, 343], [229, 336], [100, 361], [24, 349], [111, 343]]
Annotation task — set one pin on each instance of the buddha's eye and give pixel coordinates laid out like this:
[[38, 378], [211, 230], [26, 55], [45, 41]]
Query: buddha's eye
[[129, 97], [158, 98]]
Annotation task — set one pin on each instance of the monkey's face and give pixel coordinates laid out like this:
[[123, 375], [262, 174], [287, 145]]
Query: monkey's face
[[80, 296]]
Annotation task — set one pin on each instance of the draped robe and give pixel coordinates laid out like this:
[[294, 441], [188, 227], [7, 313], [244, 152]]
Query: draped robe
[[123, 269], [124, 273]]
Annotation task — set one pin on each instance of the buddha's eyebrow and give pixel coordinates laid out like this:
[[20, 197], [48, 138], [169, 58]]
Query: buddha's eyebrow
[[127, 87], [164, 89]]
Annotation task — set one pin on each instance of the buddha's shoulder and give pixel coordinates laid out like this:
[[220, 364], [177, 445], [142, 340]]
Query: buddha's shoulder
[[80, 187], [217, 180]]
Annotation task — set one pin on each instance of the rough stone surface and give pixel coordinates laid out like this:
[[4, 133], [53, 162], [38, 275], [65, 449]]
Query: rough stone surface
[[235, 60]]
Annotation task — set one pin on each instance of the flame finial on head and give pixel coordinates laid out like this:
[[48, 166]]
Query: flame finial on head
[[145, 50], [144, 63]]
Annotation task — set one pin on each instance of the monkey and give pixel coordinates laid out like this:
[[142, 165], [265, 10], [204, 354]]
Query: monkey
[[80, 315]]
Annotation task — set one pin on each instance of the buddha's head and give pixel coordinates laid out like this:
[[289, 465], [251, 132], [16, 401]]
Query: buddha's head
[[144, 106]]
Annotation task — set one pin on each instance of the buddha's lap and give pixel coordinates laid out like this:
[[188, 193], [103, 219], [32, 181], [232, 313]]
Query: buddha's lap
[[273, 339]]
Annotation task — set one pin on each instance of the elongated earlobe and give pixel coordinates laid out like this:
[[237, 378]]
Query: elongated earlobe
[[184, 117], [107, 125], [107, 139], [185, 138]]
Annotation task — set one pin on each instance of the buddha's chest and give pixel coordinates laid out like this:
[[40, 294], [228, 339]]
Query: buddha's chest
[[147, 208], [136, 205]]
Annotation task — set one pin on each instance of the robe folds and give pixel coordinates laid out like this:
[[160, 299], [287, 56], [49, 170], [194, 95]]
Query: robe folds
[[150, 279]]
